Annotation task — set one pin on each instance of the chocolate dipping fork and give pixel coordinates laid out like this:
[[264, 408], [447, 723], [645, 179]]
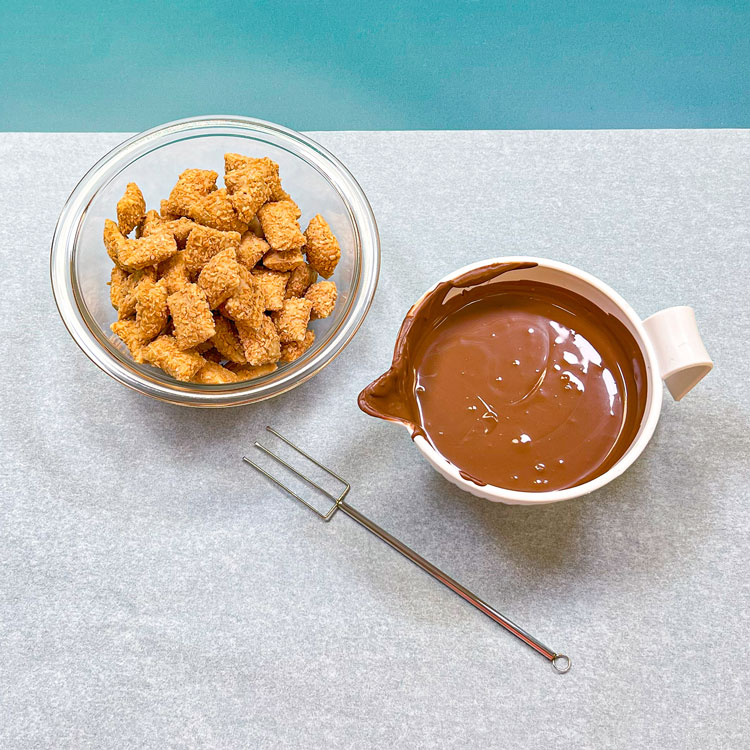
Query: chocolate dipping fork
[[560, 662]]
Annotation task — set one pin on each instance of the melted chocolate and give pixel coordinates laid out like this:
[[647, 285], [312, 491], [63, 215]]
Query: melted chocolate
[[518, 384]]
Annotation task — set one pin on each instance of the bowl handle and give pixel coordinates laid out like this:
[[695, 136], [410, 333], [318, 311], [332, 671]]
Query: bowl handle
[[682, 357]]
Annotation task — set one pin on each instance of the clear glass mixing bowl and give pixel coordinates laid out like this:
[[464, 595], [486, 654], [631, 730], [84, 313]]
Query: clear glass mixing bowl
[[314, 177]]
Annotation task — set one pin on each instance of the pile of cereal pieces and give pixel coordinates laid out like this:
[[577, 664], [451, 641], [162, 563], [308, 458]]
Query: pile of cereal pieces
[[220, 284]]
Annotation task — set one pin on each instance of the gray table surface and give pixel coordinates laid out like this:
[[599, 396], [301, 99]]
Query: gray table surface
[[155, 593]]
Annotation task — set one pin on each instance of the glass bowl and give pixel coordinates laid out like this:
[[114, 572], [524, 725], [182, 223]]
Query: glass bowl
[[315, 178]]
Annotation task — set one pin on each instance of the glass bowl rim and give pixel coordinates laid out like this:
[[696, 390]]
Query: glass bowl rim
[[74, 314]]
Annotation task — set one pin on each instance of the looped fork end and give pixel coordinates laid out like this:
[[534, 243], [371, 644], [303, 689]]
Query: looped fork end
[[561, 663]]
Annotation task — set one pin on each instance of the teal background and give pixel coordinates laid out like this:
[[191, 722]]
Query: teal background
[[375, 65]]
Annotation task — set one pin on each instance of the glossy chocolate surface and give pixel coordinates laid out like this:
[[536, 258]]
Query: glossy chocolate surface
[[519, 384]]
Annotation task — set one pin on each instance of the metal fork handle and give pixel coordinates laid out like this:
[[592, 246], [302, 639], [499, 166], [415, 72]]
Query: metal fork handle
[[560, 662]]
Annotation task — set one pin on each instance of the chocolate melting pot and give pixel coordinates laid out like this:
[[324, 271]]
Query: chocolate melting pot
[[519, 384]]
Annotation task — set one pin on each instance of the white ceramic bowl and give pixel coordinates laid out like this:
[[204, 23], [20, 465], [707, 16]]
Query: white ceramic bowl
[[671, 347]]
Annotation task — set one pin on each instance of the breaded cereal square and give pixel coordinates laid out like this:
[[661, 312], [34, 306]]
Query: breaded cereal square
[[133, 255], [192, 185], [283, 260], [212, 373], [292, 350], [322, 248], [291, 321], [220, 277], [215, 210], [151, 221], [191, 316], [247, 372], [248, 192], [323, 297], [265, 169], [151, 311], [246, 304], [261, 344], [251, 250], [179, 363], [300, 279], [130, 334], [165, 213], [119, 286], [227, 341], [203, 243], [280, 227], [273, 286], [173, 272], [130, 209]]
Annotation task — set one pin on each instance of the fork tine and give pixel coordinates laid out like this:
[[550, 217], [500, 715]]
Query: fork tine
[[326, 517], [310, 458], [291, 468]]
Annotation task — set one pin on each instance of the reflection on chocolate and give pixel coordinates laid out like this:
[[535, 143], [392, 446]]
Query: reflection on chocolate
[[519, 384]]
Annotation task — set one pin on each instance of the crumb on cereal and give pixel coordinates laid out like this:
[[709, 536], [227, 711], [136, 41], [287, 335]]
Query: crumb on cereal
[[300, 280], [191, 316], [261, 344], [212, 373], [179, 363], [203, 243], [273, 287], [227, 341], [252, 248], [280, 226], [130, 209], [220, 277], [151, 311], [283, 260], [292, 350], [323, 297], [246, 304], [291, 321], [321, 246], [130, 334]]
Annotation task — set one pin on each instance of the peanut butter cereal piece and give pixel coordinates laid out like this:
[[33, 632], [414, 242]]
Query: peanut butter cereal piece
[[180, 364], [130, 334], [291, 321], [248, 192], [212, 373], [227, 341], [280, 227], [191, 316], [246, 304], [252, 248], [262, 345], [266, 168], [323, 297], [295, 349], [283, 260], [192, 185], [322, 248], [130, 209], [203, 243], [133, 255], [215, 210], [151, 311], [300, 279], [273, 285], [246, 372], [114, 240], [119, 286], [165, 213], [173, 272], [150, 222], [126, 308], [220, 277]]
